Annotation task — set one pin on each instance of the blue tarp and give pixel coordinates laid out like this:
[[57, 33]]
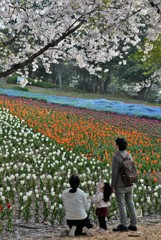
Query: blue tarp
[[96, 104]]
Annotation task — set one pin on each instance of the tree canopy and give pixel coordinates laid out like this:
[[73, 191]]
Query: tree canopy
[[86, 31]]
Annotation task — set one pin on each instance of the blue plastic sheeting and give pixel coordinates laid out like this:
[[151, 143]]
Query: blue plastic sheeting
[[139, 110]]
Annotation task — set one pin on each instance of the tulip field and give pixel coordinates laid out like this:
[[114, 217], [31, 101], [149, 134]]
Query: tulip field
[[42, 144]]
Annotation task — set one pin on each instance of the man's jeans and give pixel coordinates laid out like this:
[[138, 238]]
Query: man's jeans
[[124, 197]]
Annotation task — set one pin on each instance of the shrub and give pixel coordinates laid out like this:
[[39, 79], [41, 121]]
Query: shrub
[[42, 84], [152, 96], [21, 89], [12, 79]]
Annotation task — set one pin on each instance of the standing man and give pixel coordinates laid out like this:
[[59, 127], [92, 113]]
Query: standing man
[[124, 193]]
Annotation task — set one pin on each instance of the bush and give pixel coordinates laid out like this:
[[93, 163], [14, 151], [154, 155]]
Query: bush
[[21, 89], [12, 79], [41, 84], [152, 96]]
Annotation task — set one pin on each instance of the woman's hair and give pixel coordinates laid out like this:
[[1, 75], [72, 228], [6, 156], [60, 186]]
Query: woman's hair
[[107, 191], [121, 143], [74, 182]]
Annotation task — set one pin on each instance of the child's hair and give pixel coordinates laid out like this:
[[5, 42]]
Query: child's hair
[[74, 182], [107, 191]]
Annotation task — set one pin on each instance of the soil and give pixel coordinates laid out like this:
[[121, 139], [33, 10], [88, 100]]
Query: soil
[[149, 228]]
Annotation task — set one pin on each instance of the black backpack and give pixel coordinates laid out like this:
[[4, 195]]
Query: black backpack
[[128, 171]]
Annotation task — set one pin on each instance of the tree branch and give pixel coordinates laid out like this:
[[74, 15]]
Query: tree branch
[[17, 66], [68, 32]]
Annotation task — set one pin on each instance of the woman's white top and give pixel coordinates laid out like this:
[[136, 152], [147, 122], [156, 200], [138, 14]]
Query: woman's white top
[[76, 204]]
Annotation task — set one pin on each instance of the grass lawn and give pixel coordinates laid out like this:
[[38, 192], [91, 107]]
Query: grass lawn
[[75, 94]]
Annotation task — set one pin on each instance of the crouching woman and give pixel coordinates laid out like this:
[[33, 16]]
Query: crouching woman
[[76, 204]]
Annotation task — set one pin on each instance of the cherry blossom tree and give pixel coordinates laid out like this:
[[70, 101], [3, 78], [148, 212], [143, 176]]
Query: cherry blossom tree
[[86, 31]]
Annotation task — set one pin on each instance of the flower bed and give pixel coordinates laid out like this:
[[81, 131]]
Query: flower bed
[[42, 144]]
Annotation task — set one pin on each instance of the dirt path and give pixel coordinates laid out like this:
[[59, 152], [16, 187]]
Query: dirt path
[[148, 229], [146, 232]]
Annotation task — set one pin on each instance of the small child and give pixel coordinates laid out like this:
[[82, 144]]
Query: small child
[[100, 200]]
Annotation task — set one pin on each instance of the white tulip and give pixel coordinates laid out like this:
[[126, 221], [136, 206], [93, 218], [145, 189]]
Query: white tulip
[[22, 182], [25, 198], [60, 206], [3, 198], [46, 199], [37, 195], [155, 194], [28, 194], [52, 207], [8, 189]]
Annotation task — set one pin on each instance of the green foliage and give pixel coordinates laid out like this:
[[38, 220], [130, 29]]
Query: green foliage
[[151, 61], [152, 96], [12, 79], [41, 84], [21, 89]]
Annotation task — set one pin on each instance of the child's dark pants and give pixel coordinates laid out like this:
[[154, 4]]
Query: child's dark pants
[[102, 214]]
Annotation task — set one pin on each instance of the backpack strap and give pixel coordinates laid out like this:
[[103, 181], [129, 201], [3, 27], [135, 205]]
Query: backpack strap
[[123, 158]]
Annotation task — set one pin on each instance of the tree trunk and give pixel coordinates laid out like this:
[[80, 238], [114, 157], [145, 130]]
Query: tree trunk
[[101, 87], [142, 93], [148, 91], [106, 84], [60, 79]]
